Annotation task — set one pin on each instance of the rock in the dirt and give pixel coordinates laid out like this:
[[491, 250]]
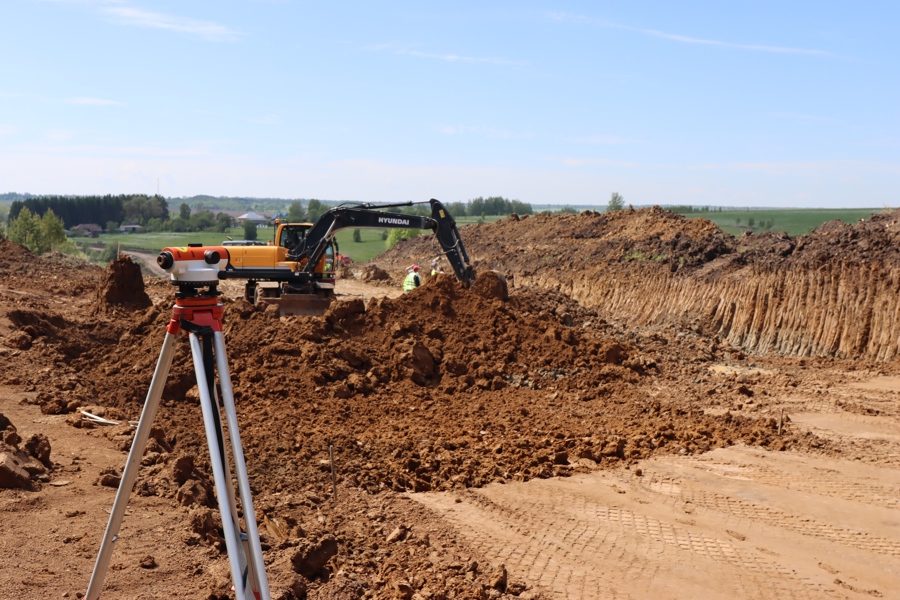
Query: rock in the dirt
[[195, 492], [397, 535], [148, 562], [311, 557], [10, 437], [109, 477], [403, 589], [498, 579], [183, 468], [38, 446], [12, 471]]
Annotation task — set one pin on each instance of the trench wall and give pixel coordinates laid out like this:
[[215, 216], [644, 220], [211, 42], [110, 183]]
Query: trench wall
[[836, 310]]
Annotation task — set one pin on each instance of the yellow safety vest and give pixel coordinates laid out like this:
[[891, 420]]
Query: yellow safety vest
[[411, 281]]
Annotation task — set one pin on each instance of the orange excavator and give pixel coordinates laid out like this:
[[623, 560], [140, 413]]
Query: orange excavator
[[297, 272]]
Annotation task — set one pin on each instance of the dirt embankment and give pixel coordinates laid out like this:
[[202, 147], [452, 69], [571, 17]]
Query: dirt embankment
[[443, 388], [833, 293]]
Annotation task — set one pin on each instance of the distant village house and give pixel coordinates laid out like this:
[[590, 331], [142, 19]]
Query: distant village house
[[86, 230], [255, 218]]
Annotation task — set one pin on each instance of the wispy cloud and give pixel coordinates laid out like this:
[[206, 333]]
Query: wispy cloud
[[207, 30], [487, 132], [405, 50], [93, 101], [684, 39], [112, 150], [125, 13]]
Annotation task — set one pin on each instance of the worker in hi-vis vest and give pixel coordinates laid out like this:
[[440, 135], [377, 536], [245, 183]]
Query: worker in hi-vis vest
[[412, 280]]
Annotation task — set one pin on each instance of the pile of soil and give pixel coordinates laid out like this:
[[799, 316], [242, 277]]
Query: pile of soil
[[444, 388]]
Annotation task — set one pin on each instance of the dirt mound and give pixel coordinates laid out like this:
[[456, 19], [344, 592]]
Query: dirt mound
[[762, 292], [122, 285], [565, 242], [442, 388]]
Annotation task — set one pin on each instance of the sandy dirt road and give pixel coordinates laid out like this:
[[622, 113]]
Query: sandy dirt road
[[738, 522]]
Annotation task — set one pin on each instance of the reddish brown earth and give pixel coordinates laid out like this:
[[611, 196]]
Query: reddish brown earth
[[625, 338]]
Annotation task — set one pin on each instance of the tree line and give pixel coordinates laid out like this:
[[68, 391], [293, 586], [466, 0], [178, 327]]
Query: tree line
[[99, 210]]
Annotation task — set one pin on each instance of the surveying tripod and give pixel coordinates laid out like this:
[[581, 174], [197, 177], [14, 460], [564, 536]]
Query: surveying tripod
[[198, 312]]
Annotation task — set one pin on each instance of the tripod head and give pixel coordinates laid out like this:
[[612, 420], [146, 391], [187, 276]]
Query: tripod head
[[194, 267]]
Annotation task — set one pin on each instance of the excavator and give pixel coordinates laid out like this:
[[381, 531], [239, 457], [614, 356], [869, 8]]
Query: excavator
[[297, 272]]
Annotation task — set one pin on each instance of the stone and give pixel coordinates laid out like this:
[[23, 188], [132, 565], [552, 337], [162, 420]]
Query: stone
[[311, 557]]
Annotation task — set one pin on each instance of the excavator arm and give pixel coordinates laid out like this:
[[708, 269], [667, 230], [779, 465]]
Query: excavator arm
[[441, 223]]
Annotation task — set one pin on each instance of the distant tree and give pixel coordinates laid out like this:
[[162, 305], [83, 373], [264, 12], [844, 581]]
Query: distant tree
[[616, 202], [36, 233], [397, 235], [521, 208], [223, 222], [52, 230], [185, 211], [178, 225], [2, 230], [357, 235], [457, 209], [25, 229], [314, 209], [738, 221], [295, 212], [108, 254], [568, 210], [111, 226], [203, 220], [249, 230], [751, 222], [384, 234]]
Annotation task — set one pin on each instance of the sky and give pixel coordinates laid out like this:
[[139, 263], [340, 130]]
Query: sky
[[740, 103]]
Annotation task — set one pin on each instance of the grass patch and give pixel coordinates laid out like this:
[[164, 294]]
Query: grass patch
[[792, 221]]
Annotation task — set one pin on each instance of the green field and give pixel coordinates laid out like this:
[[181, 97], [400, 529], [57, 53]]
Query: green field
[[792, 221], [371, 245]]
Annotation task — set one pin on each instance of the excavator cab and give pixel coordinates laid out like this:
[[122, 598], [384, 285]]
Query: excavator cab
[[292, 235]]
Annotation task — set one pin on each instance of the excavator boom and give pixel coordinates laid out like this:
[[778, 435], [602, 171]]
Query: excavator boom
[[441, 223]]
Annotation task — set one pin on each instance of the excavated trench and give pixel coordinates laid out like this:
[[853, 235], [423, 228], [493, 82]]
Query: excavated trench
[[832, 293]]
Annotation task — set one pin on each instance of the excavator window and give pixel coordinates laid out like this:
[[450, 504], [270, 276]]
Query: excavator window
[[291, 236]]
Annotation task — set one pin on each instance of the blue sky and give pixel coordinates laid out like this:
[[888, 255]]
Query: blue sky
[[737, 103]]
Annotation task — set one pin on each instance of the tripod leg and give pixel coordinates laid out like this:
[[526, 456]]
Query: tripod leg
[[138, 444], [221, 474], [240, 467]]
